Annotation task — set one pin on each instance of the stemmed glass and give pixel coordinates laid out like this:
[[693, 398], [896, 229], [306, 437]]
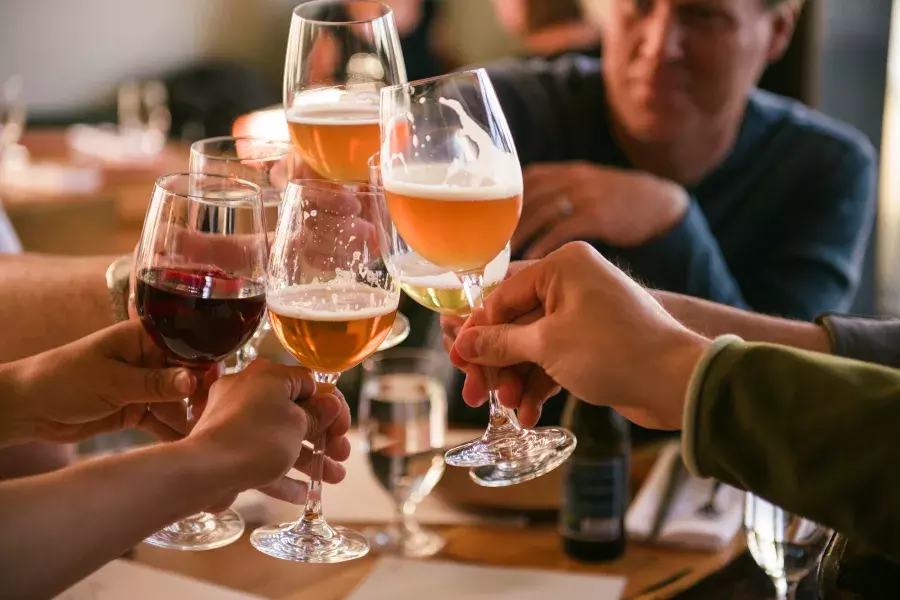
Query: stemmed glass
[[432, 286], [332, 302], [403, 420], [785, 545], [267, 163], [200, 277], [453, 186], [340, 53]]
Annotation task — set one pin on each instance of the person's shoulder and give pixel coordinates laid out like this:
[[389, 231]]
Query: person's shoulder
[[818, 136]]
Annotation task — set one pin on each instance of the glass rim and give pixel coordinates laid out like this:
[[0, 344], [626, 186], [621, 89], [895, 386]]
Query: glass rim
[[254, 191], [386, 12], [477, 72], [327, 185], [428, 354], [285, 148]]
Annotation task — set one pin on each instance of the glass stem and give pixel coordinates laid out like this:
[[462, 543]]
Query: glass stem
[[783, 589], [501, 418], [404, 521], [312, 511]]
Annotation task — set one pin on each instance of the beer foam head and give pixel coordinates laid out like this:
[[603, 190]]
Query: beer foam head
[[334, 107], [487, 173], [331, 302]]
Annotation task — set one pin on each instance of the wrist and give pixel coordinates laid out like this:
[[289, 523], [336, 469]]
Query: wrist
[[677, 366], [18, 421], [231, 469], [207, 473]]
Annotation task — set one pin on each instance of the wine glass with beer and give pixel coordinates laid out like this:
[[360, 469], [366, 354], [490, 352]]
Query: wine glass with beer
[[200, 277], [270, 164], [432, 286], [340, 54], [332, 301], [453, 186]]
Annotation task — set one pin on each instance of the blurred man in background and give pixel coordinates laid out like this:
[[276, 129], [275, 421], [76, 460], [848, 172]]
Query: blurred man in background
[[666, 157]]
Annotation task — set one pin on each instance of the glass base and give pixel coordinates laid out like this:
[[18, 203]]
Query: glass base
[[318, 543], [418, 543], [499, 446], [203, 531], [511, 473], [398, 334]]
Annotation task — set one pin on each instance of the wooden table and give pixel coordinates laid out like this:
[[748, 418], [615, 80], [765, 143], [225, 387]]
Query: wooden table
[[241, 567], [105, 221]]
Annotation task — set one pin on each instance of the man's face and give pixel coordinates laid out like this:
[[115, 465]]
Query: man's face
[[676, 67]]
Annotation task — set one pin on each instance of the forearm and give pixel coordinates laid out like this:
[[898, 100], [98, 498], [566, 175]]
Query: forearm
[[48, 301], [814, 434], [712, 320], [59, 527], [686, 259]]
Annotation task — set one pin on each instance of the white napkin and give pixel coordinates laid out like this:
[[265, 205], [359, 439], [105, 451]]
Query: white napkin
[[684, 525], [127, 579], [398, 579]]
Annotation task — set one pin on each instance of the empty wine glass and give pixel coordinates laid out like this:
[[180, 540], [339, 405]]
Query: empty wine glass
[[267, 163], [403, 421], [785, 545]]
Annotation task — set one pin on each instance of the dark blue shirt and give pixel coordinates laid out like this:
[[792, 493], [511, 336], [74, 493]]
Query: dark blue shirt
[[779, 227]]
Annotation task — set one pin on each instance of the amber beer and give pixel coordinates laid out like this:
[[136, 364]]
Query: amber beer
[[331, 330], [336, 140], [457, 228]]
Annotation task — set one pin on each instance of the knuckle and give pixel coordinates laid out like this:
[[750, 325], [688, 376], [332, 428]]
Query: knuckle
[[154, 382]]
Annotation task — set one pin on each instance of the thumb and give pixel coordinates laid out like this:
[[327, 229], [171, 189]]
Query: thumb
[[498, 345], [136, 385]]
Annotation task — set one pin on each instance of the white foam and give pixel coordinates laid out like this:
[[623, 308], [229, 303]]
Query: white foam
[[433, 182], [487, 173], [415, 271], [333, 107], [331, 302]]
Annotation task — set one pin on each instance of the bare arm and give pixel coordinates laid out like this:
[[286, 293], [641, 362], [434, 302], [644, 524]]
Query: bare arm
[[49, 301], [712, 320], [59, 527]]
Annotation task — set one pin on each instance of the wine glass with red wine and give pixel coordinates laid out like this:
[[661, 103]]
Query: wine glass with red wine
[[200, 281]]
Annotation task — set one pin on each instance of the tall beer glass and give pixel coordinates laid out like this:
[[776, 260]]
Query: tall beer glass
[[453, 187], [332, 302], [340, 53]]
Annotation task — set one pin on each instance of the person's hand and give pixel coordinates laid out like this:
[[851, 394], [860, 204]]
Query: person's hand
[[537, 385], [577, 200], [592, 330], [112, 380], [258, 420]]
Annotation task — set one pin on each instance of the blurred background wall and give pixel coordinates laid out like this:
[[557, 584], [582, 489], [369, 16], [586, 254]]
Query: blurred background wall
[[73, 55]]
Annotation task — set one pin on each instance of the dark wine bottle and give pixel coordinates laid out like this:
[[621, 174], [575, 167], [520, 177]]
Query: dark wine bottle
[[850, 572], [595, 483]]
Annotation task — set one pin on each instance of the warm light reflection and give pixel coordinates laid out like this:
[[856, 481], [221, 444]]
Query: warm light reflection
[[268, 123], [889, 189]]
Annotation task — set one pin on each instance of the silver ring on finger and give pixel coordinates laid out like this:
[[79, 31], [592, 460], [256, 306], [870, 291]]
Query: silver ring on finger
[[564, 206]]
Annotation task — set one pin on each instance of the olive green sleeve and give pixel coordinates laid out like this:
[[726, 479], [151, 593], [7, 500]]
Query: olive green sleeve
[[817, 435]]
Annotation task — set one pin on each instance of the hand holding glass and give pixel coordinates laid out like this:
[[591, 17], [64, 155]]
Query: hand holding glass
[[332, 302], [200, 294], [453, 185]]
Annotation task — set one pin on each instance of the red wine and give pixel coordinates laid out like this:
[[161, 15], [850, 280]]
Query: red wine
[[198, 316]]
